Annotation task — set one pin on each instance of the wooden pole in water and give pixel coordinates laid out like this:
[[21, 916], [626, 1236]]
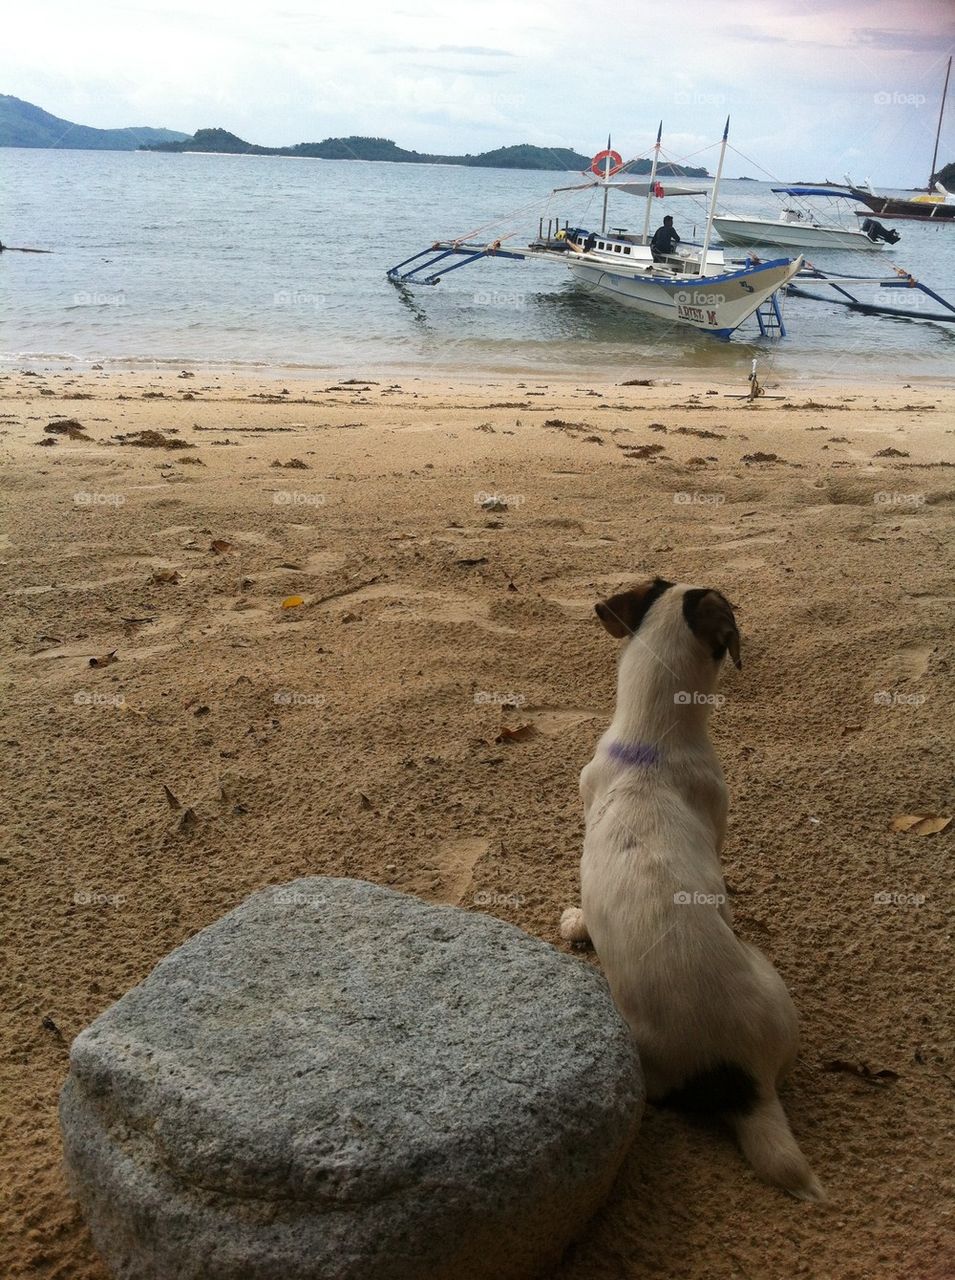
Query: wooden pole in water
[[12, 248]]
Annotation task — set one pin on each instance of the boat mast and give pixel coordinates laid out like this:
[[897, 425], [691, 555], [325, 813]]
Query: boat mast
[[716, 186], [653, 178], [603, 220], [938, 131]]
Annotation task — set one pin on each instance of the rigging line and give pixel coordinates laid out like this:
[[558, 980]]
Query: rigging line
[[537, 202], [689, 154], [756, 165], [799, 200]]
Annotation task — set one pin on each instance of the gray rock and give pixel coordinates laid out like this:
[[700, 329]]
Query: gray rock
[[340, 1082]]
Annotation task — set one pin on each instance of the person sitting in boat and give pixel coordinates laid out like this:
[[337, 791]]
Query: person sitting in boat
[[665, 239]]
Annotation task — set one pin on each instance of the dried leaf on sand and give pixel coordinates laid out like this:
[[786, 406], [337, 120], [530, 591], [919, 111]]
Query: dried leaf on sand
[[919, 824], [879, 1079]]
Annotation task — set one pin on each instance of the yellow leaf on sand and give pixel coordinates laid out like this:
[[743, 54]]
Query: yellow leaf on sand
[[920, 824], [292, 602]]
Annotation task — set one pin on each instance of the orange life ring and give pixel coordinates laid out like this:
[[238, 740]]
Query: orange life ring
[[616, 163]]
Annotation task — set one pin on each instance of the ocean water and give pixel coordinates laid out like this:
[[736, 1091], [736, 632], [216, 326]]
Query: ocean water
[[278, 265]]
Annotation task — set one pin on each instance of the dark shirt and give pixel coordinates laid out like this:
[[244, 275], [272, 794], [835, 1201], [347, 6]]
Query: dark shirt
[[665, 240]]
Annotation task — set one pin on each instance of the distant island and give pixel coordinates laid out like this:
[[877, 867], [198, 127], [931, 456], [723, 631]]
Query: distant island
[[24, 125], [523, 156]]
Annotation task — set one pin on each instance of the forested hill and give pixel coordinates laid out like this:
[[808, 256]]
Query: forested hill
[[523, 156]]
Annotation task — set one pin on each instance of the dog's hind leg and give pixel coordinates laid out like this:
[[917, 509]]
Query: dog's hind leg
[[572, 926]]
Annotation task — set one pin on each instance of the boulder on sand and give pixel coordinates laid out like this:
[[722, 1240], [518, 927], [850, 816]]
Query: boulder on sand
[[340, 1082]]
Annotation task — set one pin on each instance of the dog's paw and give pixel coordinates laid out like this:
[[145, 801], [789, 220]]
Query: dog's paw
[[572, 927]]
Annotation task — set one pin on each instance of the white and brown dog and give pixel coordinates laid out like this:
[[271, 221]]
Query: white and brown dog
[[714, 1023]]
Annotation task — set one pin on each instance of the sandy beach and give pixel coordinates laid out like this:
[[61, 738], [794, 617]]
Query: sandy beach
[[314, 606]]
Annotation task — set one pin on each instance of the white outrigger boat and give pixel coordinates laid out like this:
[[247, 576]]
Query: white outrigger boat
[[694, 286], [697, 288], [801, 229]]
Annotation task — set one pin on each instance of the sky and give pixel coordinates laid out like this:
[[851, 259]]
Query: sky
[[815, 89]]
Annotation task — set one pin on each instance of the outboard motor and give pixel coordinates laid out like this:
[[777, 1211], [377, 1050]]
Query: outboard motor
[[875, 231]]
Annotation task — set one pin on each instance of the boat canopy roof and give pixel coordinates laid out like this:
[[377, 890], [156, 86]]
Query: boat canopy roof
[[660, 187], [818, 191]]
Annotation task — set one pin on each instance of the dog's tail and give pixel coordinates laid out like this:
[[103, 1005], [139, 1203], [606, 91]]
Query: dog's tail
[[768, 1144]]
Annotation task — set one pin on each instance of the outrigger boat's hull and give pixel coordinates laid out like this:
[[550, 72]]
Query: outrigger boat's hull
[[716, 304], [754, 232]]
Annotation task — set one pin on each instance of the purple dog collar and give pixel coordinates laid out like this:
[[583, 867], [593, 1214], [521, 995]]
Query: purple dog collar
[[634, 753]]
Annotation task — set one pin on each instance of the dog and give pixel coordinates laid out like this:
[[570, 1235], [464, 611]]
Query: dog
[[714, 1024]]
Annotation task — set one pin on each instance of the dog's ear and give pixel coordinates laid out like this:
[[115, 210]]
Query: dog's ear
[[710, 617], [622, 614]]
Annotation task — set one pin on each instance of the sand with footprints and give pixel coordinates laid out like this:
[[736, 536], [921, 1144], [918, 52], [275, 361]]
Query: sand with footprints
[[347, 628]]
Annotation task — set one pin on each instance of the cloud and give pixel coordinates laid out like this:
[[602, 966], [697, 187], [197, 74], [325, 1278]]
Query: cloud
[[910, 40], [801, 78], [458, 50], [474, 50]]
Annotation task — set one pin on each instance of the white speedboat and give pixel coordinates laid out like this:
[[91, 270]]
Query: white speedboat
[[694, 286], [801, 229]]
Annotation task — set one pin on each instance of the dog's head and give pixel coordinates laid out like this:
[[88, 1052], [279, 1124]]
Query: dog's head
[[701, 612]]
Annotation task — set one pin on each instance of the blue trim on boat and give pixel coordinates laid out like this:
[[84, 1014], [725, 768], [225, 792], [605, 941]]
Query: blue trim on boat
[[817, 191], [683, 283]]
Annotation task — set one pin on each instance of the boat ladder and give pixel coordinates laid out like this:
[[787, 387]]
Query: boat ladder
[[769, 317]]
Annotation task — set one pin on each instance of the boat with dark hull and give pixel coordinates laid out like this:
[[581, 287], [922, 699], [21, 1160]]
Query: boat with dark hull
[[936, 208]]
